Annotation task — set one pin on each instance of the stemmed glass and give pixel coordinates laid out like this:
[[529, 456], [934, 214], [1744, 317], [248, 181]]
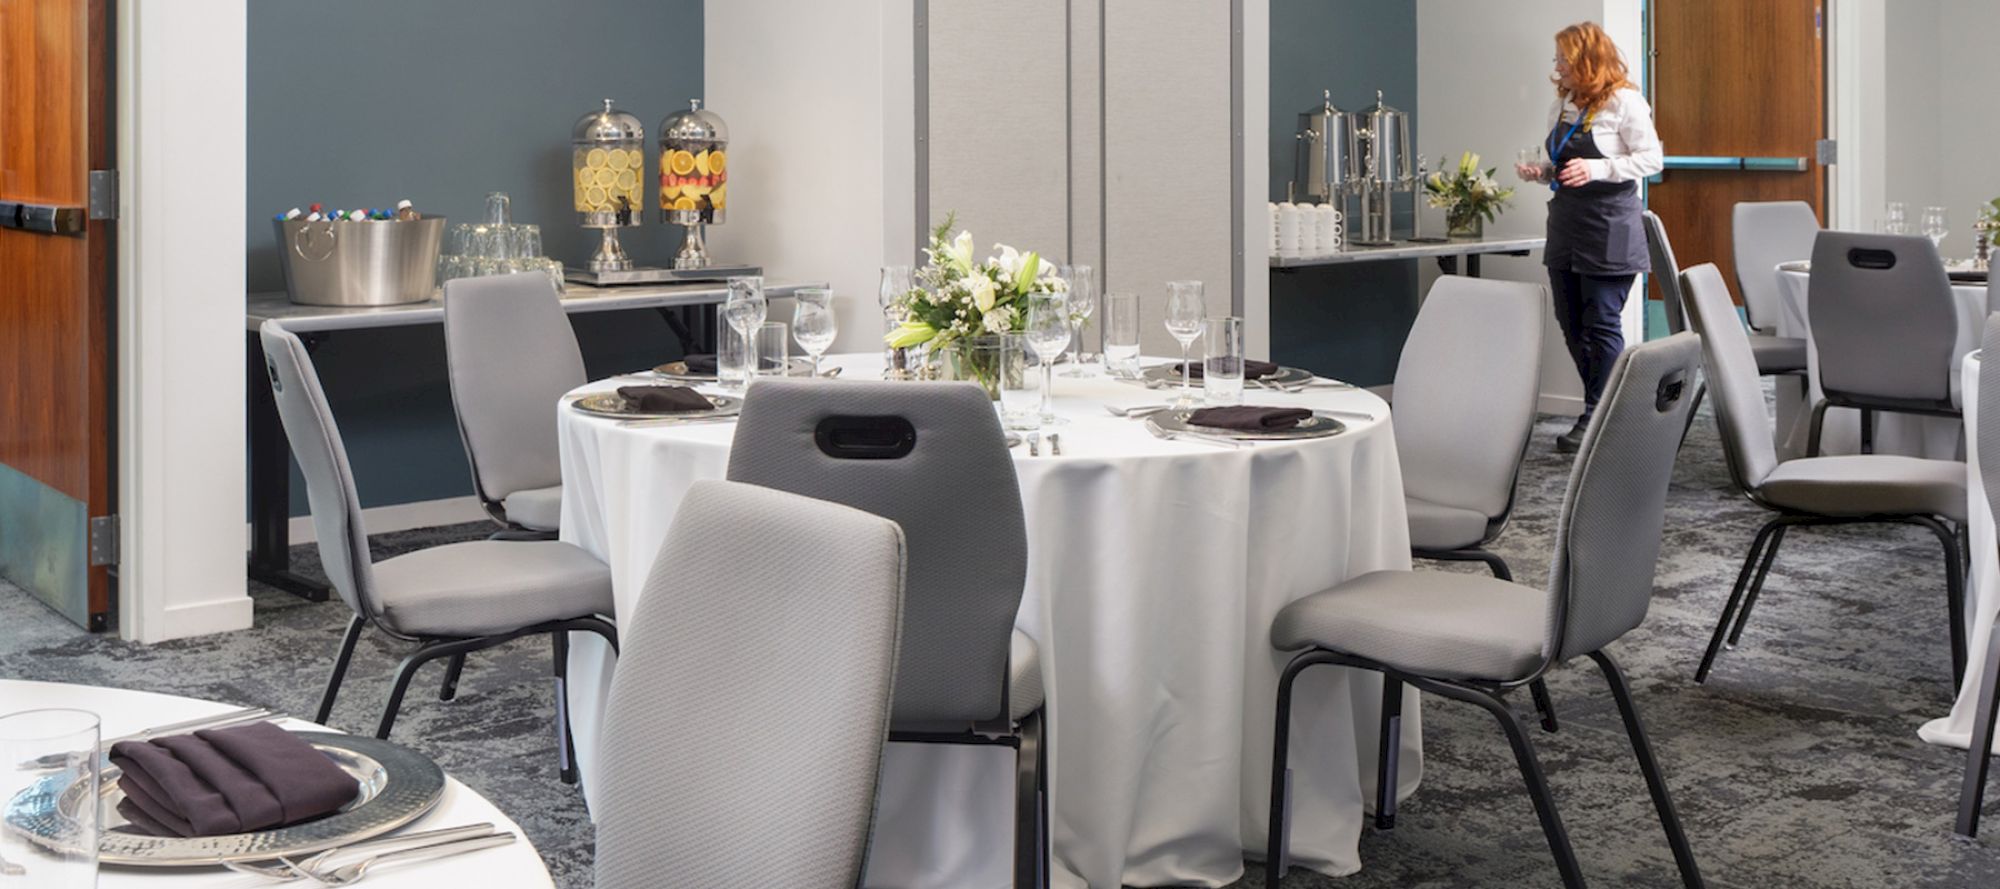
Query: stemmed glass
[[895, 283], [1937, 224], [1082, 301], [745, 310], [1897, 222], [1186, 319], [813, 322], [1048, 334]]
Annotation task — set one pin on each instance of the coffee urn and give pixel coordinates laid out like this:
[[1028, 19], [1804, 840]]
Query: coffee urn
[[1382, 164], [1323, 156]]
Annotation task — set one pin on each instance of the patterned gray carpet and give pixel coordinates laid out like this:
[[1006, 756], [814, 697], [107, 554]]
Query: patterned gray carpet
[[1797, 765]]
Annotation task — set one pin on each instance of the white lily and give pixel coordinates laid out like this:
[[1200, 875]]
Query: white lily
[[961, 251], [1008, 259], [983, 292]]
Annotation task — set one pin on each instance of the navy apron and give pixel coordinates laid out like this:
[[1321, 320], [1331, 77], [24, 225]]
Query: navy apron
[[1594, 228]]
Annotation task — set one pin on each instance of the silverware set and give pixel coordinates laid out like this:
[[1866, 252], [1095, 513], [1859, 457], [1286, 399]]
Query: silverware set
[[1217, 440], [421, 846], [1035, 443], [220, 720]]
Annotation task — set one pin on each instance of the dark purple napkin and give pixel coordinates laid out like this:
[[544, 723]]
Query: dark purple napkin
[[700, 364], [1249, 418], [233, 780], [1252, 369], [665, 399]]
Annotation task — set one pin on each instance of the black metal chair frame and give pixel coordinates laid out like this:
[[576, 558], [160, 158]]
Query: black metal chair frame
[[1978, 753], [1490, 697], [1868, 407], [431, 648]]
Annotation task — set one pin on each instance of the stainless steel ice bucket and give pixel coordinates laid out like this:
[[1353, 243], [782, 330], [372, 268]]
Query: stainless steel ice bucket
[[366, 263]]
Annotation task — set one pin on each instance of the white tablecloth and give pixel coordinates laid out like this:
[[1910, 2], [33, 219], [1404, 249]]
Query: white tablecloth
[[1155, 569], [1983, 603], [1910, 434], [122, 712]]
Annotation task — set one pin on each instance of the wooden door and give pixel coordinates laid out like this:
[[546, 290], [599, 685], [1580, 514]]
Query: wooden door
[[56, 303], [1735, 79]]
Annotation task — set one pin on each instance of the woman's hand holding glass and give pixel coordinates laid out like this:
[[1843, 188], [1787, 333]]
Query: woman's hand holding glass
[[1575, 173]]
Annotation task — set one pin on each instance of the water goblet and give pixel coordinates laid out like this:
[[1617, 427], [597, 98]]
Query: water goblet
[[1082, 302], [1936, 224], [813, 323], [1048, 334], [1187, 315], [746, 310]]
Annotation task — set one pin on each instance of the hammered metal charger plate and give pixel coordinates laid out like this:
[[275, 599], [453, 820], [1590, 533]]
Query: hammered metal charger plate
[[1285, 376], [398, 785], [611, 404], [1960, 271], [678, 371], [1317, 426]]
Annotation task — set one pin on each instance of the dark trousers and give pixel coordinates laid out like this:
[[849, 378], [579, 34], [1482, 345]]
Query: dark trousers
[[1587, 308]]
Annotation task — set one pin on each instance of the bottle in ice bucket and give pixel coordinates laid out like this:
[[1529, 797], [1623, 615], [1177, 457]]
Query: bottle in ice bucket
[[405, 212]]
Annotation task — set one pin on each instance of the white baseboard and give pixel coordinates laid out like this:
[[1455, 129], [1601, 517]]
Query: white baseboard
[[399, 517], [201, 618], [1560, 405]]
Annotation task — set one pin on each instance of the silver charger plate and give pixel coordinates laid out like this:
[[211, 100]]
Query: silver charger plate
[[1960, 271], [678, 371], [1285, 376], [398, 785], [1319, 425], [611, 404]]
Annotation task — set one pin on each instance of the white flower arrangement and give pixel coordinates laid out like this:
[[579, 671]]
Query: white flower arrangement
[[954, 298]]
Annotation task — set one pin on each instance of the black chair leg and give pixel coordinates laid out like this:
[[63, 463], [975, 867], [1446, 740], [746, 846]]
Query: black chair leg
[[452, 669], [1756, 585], [1815, 430], [565, 741], [1642, 749], [1388, 753], [1492, 561], [404, 674], [1978, 753], [1281, 777], [1030, 859], [1538, 787], [1867, 431], [1693, 408], [1954, 594], [1546, 707], [340, 663], [1735, 599], [1044, 839]]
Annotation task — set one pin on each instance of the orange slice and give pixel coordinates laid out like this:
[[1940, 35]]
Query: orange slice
[[716, 160], [719, 197], [684, 203], [681, 162]]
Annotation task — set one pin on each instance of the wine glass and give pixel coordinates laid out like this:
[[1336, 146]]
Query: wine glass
[[1186, 318], [813, 322], [1936, 224], [1082, 301], [745, 310], [895, 284], [1897, 221], [1048, 334]]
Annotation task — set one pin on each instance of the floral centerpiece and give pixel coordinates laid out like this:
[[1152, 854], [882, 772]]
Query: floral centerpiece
[[958, 307], [1470, 197], [1987, 227]]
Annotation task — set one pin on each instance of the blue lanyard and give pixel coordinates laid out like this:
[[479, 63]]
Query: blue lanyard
[[1555, 148]]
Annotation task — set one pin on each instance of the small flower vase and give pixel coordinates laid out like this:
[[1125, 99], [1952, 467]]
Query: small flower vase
[[1464, 224], [976, 359]]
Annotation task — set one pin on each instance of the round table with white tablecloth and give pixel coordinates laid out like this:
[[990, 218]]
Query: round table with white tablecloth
[[122, 712], [1155, 569], [1983, 589], [1909, 434]]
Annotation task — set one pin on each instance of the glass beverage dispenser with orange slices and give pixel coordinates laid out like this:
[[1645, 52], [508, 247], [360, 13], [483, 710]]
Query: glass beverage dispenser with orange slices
[[608, 168], [694, 177]]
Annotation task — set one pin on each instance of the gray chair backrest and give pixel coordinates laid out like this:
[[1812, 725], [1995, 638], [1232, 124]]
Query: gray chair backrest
[[1989, 413], [1884, 320], [1732, 377], [510, 354], [1666, 272], [1764, 234], [744, 730], [1466, 389], [1608, 533], [322, 456], [932, 458], [1992, 290]]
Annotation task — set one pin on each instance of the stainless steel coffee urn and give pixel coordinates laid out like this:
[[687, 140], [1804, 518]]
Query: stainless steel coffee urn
[[1323, 156], [1382, 164]]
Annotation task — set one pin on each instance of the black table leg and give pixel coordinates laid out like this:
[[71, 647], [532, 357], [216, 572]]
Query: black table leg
[[1448, 264], [271, 486], [1472, 266]]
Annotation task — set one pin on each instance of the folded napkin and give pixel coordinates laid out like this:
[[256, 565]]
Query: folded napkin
[[224, 781], [664, 399], [1252, 369], [1249, 418], [700, 364]]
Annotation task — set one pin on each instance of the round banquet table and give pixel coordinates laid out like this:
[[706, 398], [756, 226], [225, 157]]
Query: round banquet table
[[122, 712], [1155, 569], [1983, 604], [1908, 434]]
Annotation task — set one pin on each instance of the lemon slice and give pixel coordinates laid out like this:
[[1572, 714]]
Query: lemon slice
[[605, 178], [635, 196], [627, 180], [701, 163], [682, 163], [716, 159], [719, 197], [594, 198], [597, 157], [696, 191], [684, 203], [618, 160], [669, 192]]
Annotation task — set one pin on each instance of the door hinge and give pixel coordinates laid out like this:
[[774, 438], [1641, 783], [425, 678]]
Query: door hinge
[[103, 540], [104, 194], [1828, 151]]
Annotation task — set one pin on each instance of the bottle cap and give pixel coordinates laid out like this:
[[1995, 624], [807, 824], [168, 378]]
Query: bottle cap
[[293, 213], [357, 216], [315, 208], [403, 204]]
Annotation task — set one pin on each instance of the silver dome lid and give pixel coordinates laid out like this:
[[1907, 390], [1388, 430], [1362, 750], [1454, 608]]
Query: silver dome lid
[[607, 126]]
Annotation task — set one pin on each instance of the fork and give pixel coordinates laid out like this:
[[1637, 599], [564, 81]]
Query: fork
[[304, 869], [348, 874]]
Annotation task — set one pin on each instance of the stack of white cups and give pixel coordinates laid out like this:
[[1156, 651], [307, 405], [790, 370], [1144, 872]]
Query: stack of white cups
[[1302, 230]]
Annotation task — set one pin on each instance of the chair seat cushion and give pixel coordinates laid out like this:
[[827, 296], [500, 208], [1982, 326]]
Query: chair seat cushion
[[1778, 354], [1024, 677], [537, 509], [1432, 623], [1436, 526], [485, 587], [1868, 484]]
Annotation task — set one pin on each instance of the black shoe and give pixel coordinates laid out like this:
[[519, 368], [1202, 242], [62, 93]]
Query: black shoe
[[1569, 442]]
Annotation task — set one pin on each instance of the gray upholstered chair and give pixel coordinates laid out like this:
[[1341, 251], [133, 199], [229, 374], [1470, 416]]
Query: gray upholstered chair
[[1842, 490], [453, 599], [1978, 753], [510, 354], [1764, 234], [933, 459], [1473, 639], [1667, 274], [743, 734], [1885, 322]]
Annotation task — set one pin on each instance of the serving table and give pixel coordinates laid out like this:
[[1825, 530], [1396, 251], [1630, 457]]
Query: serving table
[[122, 712], [1155, 569], [688, 308], [1446, 252]]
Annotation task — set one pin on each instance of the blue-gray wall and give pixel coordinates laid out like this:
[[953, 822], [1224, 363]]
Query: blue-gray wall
[[1345, 321], [357, 103]]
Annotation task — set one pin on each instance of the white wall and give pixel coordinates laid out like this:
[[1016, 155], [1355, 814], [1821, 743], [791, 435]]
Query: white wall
[[1940, 118], [181, 122], [1483, 86], [1858, 99]]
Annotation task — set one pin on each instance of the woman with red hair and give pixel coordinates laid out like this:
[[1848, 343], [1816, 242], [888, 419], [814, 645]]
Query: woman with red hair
[[1601, 142]]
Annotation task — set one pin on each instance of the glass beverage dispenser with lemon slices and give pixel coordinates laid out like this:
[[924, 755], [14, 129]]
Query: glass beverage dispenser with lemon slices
[[694, 177], [608, 163]]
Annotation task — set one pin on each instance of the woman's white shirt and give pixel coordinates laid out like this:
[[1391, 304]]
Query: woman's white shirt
[[1623, 130]]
